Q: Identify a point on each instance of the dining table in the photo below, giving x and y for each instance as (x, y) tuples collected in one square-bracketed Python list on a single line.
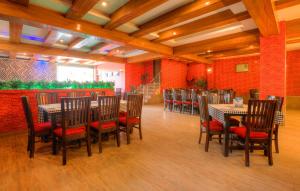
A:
[(223, 112)]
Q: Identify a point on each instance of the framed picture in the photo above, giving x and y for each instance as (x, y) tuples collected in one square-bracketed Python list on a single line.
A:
[(241, 68)]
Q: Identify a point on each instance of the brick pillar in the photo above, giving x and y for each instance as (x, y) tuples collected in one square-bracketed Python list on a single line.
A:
[(273, 64)]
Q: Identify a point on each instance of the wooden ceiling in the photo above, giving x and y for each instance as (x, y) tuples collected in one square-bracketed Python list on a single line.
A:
[(120, 31)]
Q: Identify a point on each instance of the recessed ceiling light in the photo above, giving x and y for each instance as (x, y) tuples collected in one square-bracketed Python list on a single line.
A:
[(251, 46), (104, 4), (61, 40), (78, 27), (209, 51), (207, 3), (174, 33)]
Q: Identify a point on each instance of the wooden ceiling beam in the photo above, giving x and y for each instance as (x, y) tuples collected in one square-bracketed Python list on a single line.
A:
[(144, 57), (210, 22), (131, 10), (293, 28), (181, 14), (293, 41), (234, 52), (196, 58), (36, 14), (282, 4), (35, 49), (15, 31), (220, 43), (76, 43), (263, 14), (51, 38), (21, 2), (80, 7)]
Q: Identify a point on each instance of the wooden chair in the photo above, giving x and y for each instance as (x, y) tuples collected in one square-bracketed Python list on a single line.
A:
[(210, 127), (94, 95), (254, 93), (75, 94), (75, 123), (168, 101), (258, 128), (108, 118), (39, 130), (279, 105), (118, 92), (46, 98), (133, 116), (177, 102), (186, 101), (195, 103)]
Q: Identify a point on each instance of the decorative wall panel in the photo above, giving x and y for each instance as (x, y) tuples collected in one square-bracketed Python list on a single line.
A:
[(26, 70)]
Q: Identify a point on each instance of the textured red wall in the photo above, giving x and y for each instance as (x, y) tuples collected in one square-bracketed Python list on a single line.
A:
[(173, 74), (11, 111), (196, 71), (293, 73), (273, 64), (133, 72), (224, 75)]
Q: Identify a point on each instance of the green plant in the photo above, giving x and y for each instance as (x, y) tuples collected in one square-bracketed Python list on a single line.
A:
[(133, 89), (18, 84), (201, 83)]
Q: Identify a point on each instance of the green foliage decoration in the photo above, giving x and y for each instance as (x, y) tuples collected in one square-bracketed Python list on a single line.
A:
[(30, 85)]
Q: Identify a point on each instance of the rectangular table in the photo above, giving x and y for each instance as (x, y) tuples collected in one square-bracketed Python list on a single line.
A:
[(55, 109), (222, 113)]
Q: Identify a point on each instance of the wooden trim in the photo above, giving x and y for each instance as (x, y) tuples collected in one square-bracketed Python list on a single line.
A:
[(143, 57), (293, 28), (263, 14), (51, 38), (35, 49), (76, 42), (181, 14), (21, 2), (131, 10)]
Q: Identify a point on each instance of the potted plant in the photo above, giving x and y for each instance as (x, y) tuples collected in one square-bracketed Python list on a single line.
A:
[(201, 83)]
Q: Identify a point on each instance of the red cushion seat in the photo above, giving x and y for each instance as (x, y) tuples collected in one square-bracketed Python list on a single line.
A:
[(214, 125), (70, 131), (133, 120), (104, 125), (187, 102), (177, 102), (241, 132), (42, 127), (169, 101)]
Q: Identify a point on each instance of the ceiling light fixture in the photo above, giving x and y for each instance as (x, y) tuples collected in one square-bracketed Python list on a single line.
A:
[(209, 51), (104, 4), (61, 40), (78, 27), (207, 3), (174, 33)]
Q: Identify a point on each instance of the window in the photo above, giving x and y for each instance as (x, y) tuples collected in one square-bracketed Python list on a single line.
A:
[(75, 73)]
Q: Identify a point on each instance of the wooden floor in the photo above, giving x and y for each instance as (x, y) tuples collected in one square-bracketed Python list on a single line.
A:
[(168, 158)]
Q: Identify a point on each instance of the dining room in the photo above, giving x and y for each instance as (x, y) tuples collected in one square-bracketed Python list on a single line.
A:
[(150, 95)]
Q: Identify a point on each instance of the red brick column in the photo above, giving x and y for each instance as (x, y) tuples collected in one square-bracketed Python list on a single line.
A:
[(273, 64)]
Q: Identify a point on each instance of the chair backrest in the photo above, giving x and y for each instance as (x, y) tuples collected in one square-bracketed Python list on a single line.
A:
[(46, 98), (213, 98), (254, 93), (184, 95), (118, 92), (76, 94), (176, 95), (94, 95), (279, 101), (260, 115), (194, 96), (75, 112), (134, 105), (28, 114), (203, 109), (108, 108)]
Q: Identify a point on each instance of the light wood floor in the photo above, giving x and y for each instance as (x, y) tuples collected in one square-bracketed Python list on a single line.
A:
[(168, 158)]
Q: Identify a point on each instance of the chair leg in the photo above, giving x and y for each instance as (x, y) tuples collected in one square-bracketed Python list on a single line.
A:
[(64, 152), (118, 137), (220, 139), (128, 134), (140, 131), (32, 147), (200, 136), (247, 160), (28, 143), (270, 155), (207, 142), (54, 145), (276, 140), (100, 141), (88, 145)]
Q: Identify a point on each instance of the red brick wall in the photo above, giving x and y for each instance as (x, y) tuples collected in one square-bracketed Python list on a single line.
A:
[(273, 64), (134, 71), (11, 111), (173, 74), (224, 75), (293, 73)]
